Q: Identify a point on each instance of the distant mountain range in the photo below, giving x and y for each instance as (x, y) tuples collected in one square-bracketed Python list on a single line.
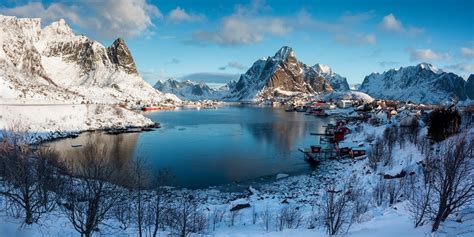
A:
[(53, 65), (189, 90), (423, 83)]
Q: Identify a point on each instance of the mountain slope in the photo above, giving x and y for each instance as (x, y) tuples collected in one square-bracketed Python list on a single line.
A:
[(53, 65), (280, 75), (422, 83)]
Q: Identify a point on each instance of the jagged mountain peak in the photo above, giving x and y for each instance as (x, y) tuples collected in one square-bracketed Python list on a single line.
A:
[(58, 28), (428, 66), (284, 53), (120, 54), (322, 68)]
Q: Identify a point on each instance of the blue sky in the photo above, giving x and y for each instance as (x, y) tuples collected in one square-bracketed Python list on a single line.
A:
[(223, 38)]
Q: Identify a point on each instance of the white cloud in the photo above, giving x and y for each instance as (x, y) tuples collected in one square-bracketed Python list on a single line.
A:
[(464, 69), (173, 61), (467, 52), (368, 39), (105, 19), (233, 64), (388, 63), (180, 15), (244, 26), (428, 54), (391, 24)]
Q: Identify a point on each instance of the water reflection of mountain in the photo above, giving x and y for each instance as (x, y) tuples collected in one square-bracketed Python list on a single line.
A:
[(119, 148), (285, 134)]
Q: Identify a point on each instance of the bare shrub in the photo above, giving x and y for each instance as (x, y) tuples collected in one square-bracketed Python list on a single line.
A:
[(289, 218), (379, 191), (187, 217), (217, 216), (376, 154)]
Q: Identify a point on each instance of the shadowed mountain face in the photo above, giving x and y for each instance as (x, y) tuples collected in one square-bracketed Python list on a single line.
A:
[(470, 87), (283, 75), (422, 83)]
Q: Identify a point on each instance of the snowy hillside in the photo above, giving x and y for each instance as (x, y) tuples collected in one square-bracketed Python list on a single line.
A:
[(189, 90), (53, 65), (422, 83), (284, 75)]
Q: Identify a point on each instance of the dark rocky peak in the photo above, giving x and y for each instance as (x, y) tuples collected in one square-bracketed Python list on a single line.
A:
[(121, 56)]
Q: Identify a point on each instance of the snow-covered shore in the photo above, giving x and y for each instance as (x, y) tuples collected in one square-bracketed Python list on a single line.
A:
[(53, 121)]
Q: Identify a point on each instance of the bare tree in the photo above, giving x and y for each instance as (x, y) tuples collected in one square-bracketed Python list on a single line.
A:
[(452, 181), (266, 217), (92, 190), (140, 182), (335, 210), (158, 200), (29, 176)]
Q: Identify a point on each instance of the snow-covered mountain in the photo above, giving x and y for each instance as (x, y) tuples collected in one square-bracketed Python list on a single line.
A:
[(338, 82), (53, 65), (422, 83), (284, 75), (188, 90)]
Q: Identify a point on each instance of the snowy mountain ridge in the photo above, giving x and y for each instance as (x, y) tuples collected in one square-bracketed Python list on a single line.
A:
[(189, 90), (53, 65), (283, 75), (423, 83)]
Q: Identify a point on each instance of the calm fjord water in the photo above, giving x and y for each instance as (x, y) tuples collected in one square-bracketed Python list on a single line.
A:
[(202, 148)]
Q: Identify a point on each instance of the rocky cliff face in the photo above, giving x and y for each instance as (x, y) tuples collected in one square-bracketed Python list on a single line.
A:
[(53, 64), (470, 87), (422, 83), (277, 76)]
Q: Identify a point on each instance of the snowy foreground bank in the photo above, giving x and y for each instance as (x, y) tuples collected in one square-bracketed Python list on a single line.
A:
[(52, 121), (292, 206)]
